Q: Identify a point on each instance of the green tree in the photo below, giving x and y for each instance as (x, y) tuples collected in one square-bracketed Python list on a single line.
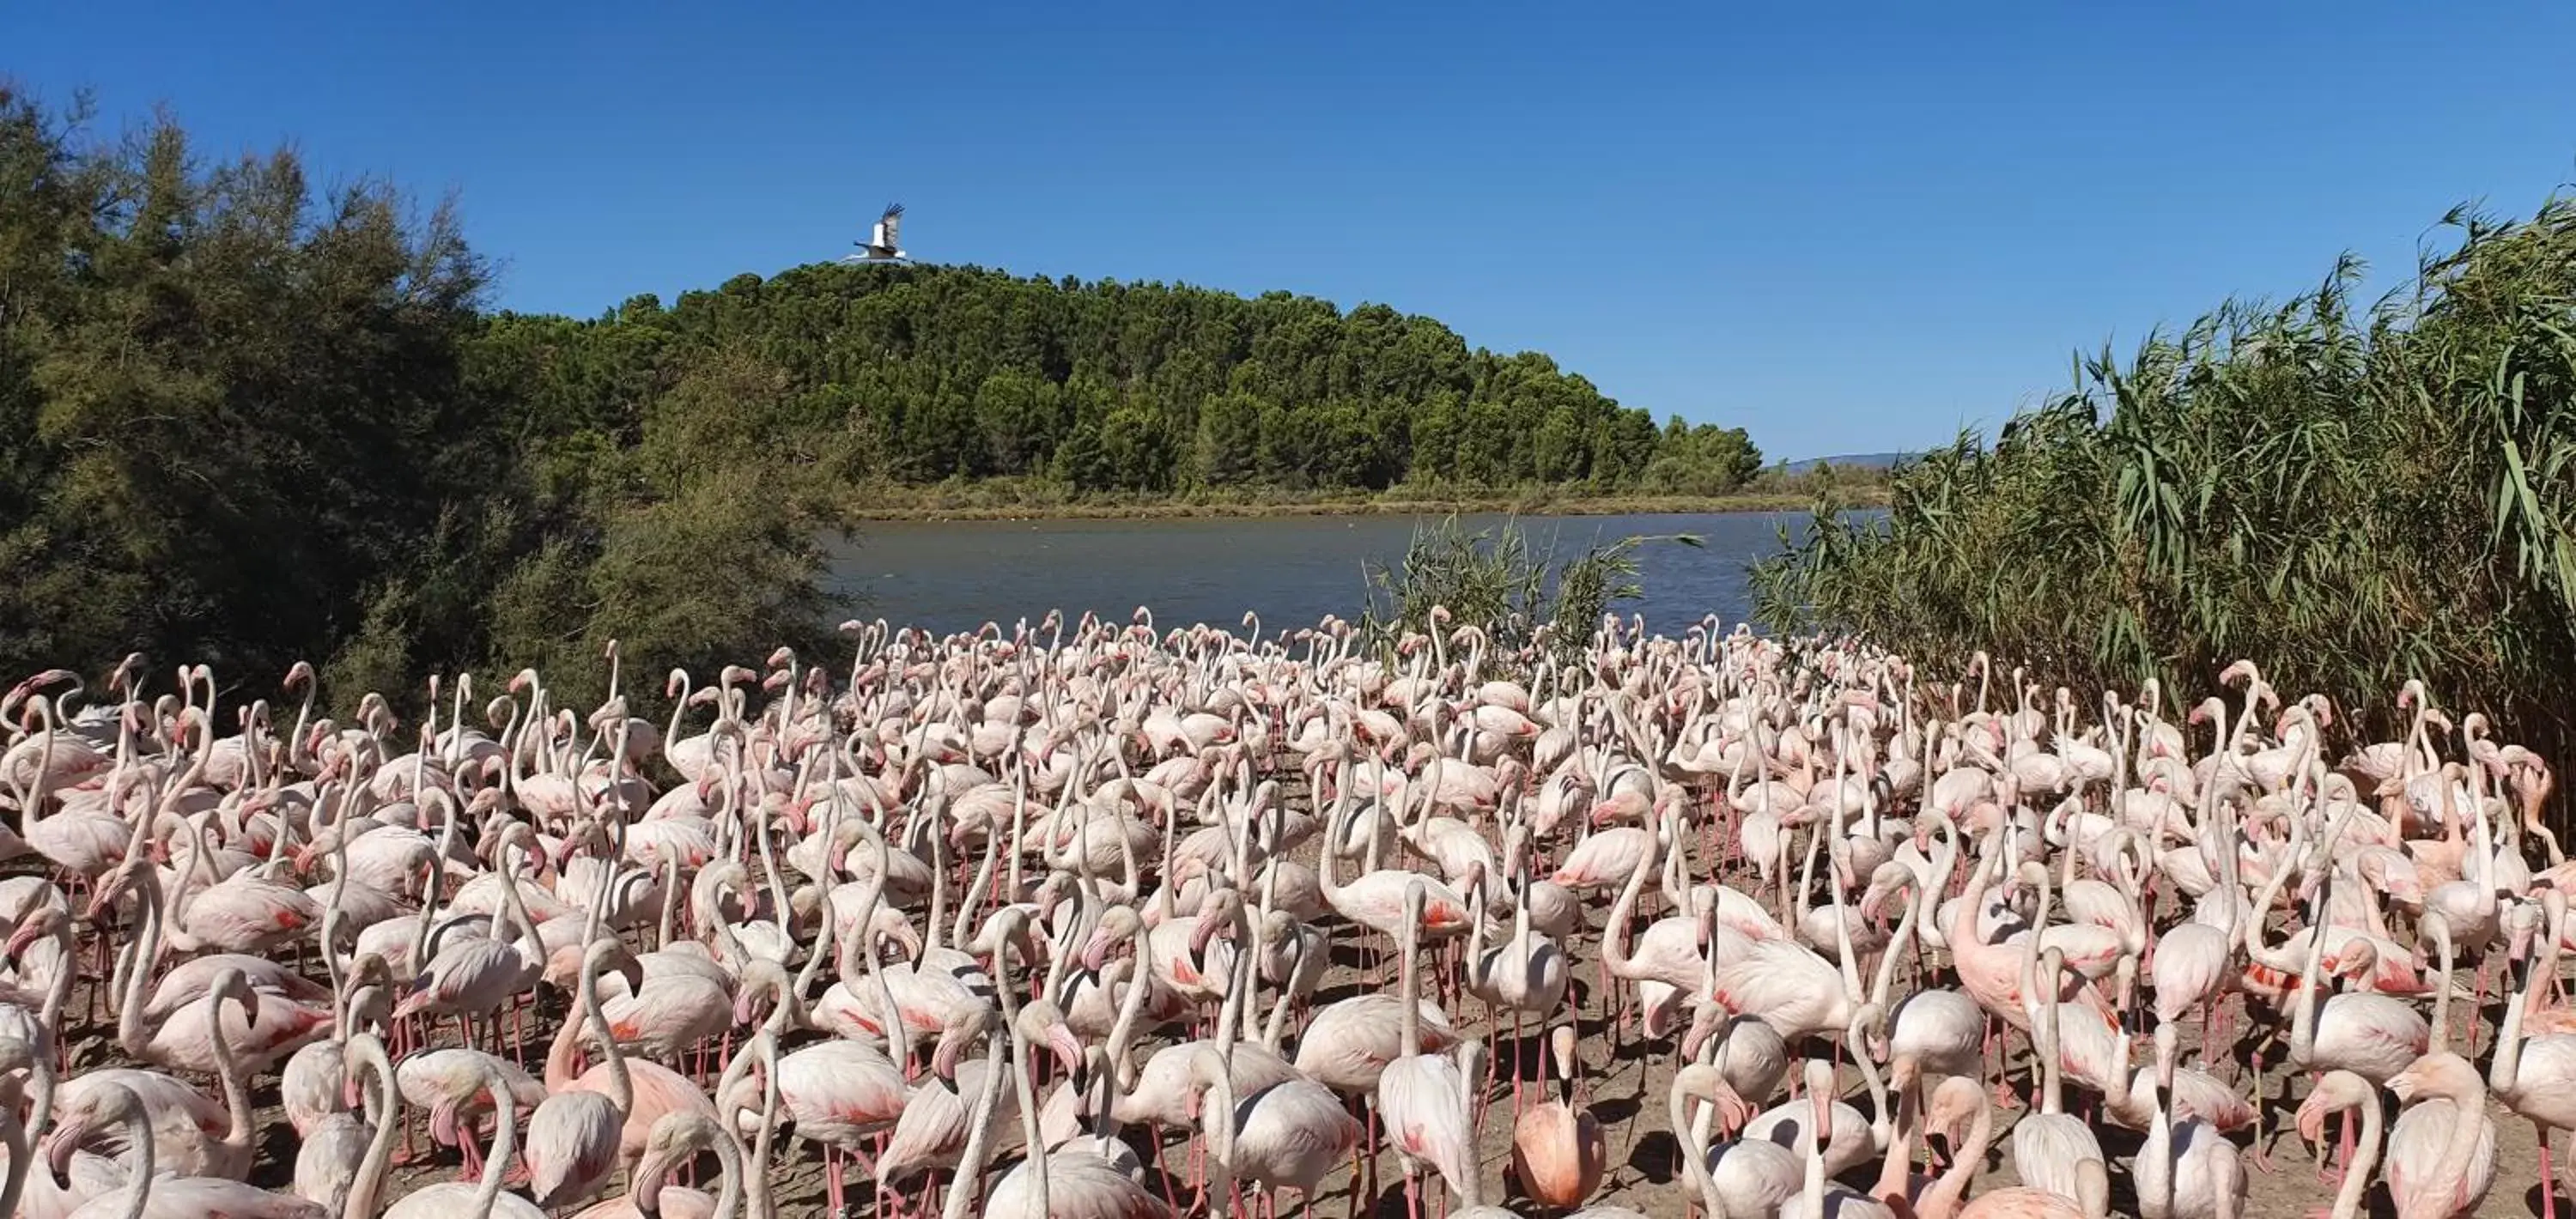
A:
[(247, 422), (1017, 412), (1702, 460), (1229, 440), (1136, 449)]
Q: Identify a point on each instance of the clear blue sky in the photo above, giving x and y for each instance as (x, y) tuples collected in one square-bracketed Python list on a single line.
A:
[(1847, 227)]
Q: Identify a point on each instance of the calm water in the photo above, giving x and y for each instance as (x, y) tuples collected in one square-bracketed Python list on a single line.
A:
[(953, 576)]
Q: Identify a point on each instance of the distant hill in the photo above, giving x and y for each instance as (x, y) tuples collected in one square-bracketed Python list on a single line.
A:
[(1866, 461), (925, 374)]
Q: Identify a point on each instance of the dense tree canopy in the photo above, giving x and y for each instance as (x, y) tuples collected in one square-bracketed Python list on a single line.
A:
[(247, 421), (933, 373)]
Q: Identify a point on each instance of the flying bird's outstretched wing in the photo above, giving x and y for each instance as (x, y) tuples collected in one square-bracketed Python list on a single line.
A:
[(887, 224)]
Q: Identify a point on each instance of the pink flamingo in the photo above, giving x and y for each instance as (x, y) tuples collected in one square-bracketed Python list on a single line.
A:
[(1558, 1151), (455, 1199), (336, 1153), (84, 843), (2185, 1169), (2536, 1076), (1792, 989), (1960, 1100), (676, 1140), (476, 975), (151, 1195), (1820, 1197), (1606, 858), (1938, 1029), (2441, 1153), (1376, 899), (656, 1090), (1069, 1184), (1350, 1041), (271, 1027), (1752, 1177), (2343, 1091), (455, 1086), (1669, 959), (1287, 1135), (2051, 1147), (573, 1138), (1426, 1099)]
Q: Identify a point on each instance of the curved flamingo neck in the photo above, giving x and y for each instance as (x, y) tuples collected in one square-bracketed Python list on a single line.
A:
[(368, 1188), (130, 1032), (621, 1084)]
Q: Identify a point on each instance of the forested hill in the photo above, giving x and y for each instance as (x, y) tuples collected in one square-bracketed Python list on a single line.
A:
[(922, 373)]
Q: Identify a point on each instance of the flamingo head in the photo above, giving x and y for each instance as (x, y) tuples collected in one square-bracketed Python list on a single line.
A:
[(2321, 1100), (796, 814), (1096, 949), (2521, 923), (953, 1041), (1208, 929), (762, 979), (2437, 1074), (1058, 1037), (67, 1138), (1705, 1018), (1874, 899), (103, 899), (39, 923), (1953, 1107)]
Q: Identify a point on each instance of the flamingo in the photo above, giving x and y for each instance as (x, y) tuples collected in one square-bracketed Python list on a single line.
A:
[(575, 1135), (1424, 1098), (2441, 1152), (151, 1195), (1558, 1151)]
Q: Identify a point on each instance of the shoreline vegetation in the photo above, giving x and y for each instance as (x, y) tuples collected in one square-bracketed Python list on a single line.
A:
[(897, 503), (2364, 493)]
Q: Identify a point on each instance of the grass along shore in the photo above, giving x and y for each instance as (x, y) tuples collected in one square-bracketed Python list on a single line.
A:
[(1015, 500)]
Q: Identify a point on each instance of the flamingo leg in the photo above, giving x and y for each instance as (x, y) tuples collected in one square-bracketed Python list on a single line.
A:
[(2548, 1179), (2350, 1136), (2476, 1007), (1171, 1190)]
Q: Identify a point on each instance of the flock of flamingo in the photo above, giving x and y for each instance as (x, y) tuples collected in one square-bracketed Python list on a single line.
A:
[(1113, 922)]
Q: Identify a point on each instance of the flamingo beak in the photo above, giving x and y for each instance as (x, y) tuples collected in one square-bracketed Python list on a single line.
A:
[(1733, 1113), (20, 937), (58, 1149), (99, 904), (2312, 1124), (1068, 1051)]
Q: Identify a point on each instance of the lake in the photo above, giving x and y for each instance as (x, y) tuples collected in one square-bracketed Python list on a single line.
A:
[(1292, 570)]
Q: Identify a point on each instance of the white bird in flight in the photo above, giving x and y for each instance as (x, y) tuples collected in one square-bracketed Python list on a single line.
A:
[(881, 245)]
